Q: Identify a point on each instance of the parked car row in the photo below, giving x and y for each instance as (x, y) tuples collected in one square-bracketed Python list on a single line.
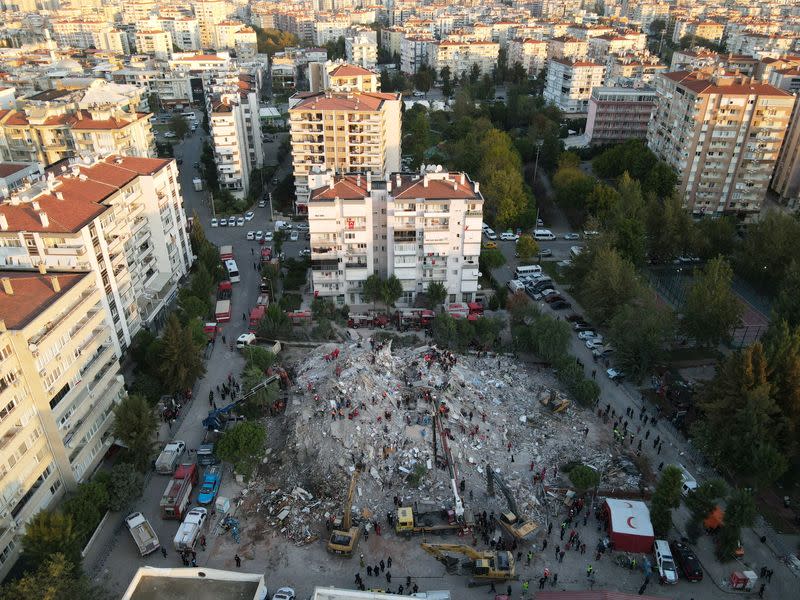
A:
[(259, 236)]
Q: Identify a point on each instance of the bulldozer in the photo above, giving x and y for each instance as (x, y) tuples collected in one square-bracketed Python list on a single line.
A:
[(511, 521), (553, 400), (485, 566), (344, 536)]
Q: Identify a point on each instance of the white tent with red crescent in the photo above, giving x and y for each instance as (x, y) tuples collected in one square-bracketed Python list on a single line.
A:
[(629, 525)]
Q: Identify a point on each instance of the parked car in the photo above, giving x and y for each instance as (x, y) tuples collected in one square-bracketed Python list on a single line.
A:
[(548, 292), (667, 573), (594, 343), (615, 375), (560, 305), (601, 351), (509, 236), (262, 203), (284, 593), (305, 252), (294, 236), (240, 221), (259, 236), (572, 236), (214, 223), (554, 298), (223, 222), (687, 561), (545, 252), (251, 235), (302, 226), (490, 245), (267, 236), (586, 335), (248, 216), (575, 318), (581, 327), (210, 486)]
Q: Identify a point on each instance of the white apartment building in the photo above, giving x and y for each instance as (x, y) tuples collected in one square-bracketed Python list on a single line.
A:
[(603, 46), (569, 84), (339, 76), (760, 44), (138, 11), (155, 42), (245, 44), (169, 85), (461, 56), (232, 102), (121, 219), (185, 32), (722, 134), (567, 48), (346, 131), (330, 28), (420, 227), (59, 382), (531, 54), (414, 52), (362, 51), (113, 41), (208, 14), (78, 33)]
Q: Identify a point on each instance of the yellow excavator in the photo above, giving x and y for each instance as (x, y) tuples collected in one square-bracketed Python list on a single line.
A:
[(344, 536), (512, 521), (485, 566)]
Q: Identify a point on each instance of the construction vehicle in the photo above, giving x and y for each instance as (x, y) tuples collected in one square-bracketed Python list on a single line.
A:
[(555, 401), (444, 436), (485, 566), (512, 521), (215, 421), (142, 533), (344, 535)]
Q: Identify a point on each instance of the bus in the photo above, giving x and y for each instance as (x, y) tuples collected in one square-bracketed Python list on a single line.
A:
[(233, 271), (189, 115), (527, 270)]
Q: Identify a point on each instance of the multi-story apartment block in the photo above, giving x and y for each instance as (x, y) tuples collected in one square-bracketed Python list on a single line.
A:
[(707, 30), (567, 48), (121, 219), (762, 44), (155, 42), (102, 118), (617, 114), (786, 179), (245, 44), (722, 134), (603, 46), (362, 51), (172, 87), (461, 56), (233, 108), (420, 227), (209, 13), (59, 382), (330, 28), (343, 77), (569, 84), (392, 40), (531, 54), (414, 51), (185, 32), (632, 70), (347, 131)]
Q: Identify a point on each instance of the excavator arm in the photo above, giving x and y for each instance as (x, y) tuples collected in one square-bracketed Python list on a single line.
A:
[(501, 485), (440, 550), (212, 421), (348, 506)]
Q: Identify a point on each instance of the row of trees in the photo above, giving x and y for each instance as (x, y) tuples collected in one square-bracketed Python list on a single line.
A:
[(460, 334), (549, 339)]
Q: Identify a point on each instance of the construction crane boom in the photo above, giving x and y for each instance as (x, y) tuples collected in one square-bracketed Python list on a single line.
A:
[(458, 503), (513, 522), (212, 421), (501, 485), (348, 507)]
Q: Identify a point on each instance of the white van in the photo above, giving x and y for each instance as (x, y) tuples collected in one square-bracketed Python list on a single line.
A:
[(689, 482), (527, 270), (516, 286), (667, 572), (543, 234)]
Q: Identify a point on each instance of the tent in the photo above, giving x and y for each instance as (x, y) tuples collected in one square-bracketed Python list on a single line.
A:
[(629, 525)]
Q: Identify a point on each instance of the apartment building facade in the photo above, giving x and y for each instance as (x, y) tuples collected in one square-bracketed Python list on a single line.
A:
[(461, 56), (121, 219), (208, 14), (362, 51), (531, 54), (722, 134), (155, 42), (56, 124), (617, 114), (420, 227), (347, 131), (569, 83), (59, 382)]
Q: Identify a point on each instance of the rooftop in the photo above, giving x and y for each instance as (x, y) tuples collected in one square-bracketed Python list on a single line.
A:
[(9, 168), (33, 292), (347, 187), (350, 71), (351, 101), (439, 186), (151, 583)]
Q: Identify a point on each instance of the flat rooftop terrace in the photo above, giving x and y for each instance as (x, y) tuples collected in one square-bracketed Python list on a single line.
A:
[(151, 583)]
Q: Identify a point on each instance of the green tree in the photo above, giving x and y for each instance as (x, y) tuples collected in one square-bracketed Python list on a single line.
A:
[(740, 512), (56, 578), (135, 423), (86, 507), (49, 533), (669, 228), (447, 83), (712, 310), (257, 405), (275, 325), (444, 332), (336, 48), (490, 259), (714, 237), (786, 306), (242, 445), (527, 248), (436, 294), (782, 348), (260, 357), (584, 478), (424, 78), (602, 201), (640, 331), (125, 485), (611, 283), (666, 497), (572, 188), (391, 290), (373, 288), (179, 126), (769, 249), (269, 41), (501, 178), (153, 102), (181, 357)]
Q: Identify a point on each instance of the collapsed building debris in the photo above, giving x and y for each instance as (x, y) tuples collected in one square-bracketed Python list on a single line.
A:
[(369, 405)]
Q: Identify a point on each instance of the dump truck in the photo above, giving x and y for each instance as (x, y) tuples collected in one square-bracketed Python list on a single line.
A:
[(344, 535), (177, 494), (190, 529), (409, 522), (142, 533), (486, 566), (169, 457), (511, 521)]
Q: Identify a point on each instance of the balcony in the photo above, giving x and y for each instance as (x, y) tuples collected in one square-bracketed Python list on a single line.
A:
[(66, 250)]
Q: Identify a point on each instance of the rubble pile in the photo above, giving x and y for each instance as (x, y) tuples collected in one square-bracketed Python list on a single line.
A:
[(368, 405)]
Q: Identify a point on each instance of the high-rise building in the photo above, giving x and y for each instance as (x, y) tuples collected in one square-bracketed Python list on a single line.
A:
[(569, 83), (722, 133), (460, 57), (617, 114), (362, 51), (209, 13), (121, 219), (59, 382), (156, 42), (786, 179), (420, 227), (351, 131)]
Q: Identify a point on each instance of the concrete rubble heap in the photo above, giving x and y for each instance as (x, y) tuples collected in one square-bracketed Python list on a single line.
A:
[(354, 404)]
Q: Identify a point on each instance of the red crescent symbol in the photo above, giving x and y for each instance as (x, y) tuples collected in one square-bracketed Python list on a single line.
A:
[(631, 525)]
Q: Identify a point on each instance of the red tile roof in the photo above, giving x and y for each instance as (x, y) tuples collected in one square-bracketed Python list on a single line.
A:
[(15, 118), (9, 168), (86, 122), (413, 186), (690, 80), (33, 293), (356, 102), (349, 187), (350, 71)]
